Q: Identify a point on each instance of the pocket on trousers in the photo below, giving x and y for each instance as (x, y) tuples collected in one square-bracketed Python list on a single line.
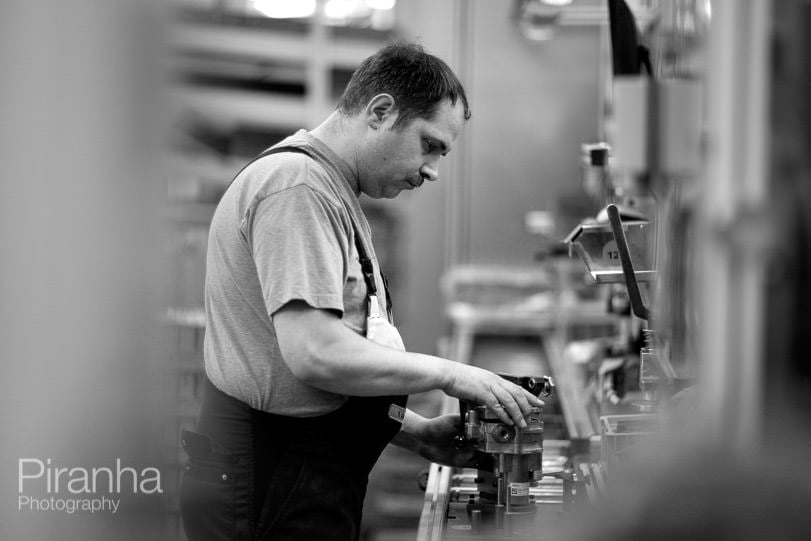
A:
[(283, 491), (214, 499)]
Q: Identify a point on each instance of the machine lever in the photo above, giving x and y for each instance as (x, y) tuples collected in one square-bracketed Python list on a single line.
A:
[(637, 305)]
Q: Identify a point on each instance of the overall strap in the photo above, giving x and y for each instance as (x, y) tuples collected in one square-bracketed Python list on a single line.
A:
[(366, 265)]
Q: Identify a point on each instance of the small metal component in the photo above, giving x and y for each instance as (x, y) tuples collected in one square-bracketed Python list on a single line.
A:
[(500, 490), (475, 521), (548, 386), (499, 515), (508, 499), (422, 480)]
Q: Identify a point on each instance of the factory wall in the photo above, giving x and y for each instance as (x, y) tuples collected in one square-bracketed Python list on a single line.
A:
[(534, 104)]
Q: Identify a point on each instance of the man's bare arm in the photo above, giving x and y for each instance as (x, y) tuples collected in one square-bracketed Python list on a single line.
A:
[(321, 351)]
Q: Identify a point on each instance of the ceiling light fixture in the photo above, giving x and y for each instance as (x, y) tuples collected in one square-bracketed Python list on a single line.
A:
[(285, 9), (381, 4)]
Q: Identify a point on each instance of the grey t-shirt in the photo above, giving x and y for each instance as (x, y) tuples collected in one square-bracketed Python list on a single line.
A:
[(283, 231)]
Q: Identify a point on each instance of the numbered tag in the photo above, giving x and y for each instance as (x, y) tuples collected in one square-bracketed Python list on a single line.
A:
[(611, 255)]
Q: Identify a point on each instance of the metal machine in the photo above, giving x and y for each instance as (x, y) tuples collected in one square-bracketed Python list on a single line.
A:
[(514, 490), (663, 254), (510, 458)]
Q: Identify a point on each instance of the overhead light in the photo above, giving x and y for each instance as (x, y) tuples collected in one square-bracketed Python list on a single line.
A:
[(285, 9), (339, 9), (376, 14), (556, 2), (381, 4)]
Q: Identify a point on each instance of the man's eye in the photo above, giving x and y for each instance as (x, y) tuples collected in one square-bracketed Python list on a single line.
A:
[(430, 147)]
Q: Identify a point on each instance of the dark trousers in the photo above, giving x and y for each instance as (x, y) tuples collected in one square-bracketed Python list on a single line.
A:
[(253, 475)]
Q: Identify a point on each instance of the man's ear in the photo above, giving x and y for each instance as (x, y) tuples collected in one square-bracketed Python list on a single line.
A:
[(380, 109)]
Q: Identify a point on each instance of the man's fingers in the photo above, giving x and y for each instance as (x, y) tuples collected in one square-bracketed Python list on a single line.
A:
[(509, 402), (521, 399), (517, 402), (510, 406), (520, 396), (532, 399), (501, 413)]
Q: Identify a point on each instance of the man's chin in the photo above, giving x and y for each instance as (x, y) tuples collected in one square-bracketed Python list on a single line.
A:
[(391, 193), (383, 195)]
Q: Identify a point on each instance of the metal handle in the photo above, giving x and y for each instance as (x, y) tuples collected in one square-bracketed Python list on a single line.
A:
[(637, 305)]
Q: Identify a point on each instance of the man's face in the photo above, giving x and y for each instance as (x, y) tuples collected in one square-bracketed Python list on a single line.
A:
[(403, 158)]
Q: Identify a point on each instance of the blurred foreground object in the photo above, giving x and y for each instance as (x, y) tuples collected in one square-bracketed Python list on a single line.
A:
[(80, 240)]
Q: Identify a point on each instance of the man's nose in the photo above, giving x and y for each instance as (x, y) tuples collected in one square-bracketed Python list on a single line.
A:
[(429, 172)]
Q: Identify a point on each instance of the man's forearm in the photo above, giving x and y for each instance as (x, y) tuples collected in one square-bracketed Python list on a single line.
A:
[(321, 351), (359, 367)]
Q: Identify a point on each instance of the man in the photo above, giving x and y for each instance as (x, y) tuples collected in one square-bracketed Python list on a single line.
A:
[(307, 374)]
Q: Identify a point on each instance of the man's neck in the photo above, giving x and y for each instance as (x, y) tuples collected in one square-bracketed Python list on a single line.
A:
[(337, 132)]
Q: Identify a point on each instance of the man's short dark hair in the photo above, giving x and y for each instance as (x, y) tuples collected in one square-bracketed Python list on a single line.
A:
[(418, 82)]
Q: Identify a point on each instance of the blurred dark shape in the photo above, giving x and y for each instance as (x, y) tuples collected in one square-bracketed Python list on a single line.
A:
[(628, 56), (787, 349)]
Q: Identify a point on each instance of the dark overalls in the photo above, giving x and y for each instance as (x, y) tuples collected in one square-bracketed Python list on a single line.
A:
[(254, 475)]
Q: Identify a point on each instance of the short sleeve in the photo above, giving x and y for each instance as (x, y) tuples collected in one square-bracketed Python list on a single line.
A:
[(300, 248)]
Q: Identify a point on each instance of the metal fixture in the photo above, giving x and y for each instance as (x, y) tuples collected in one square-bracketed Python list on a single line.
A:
[(509, 460)]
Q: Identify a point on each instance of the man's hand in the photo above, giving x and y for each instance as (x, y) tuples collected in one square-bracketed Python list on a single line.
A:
[(508, 401), (434, 439), (438, 441)]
